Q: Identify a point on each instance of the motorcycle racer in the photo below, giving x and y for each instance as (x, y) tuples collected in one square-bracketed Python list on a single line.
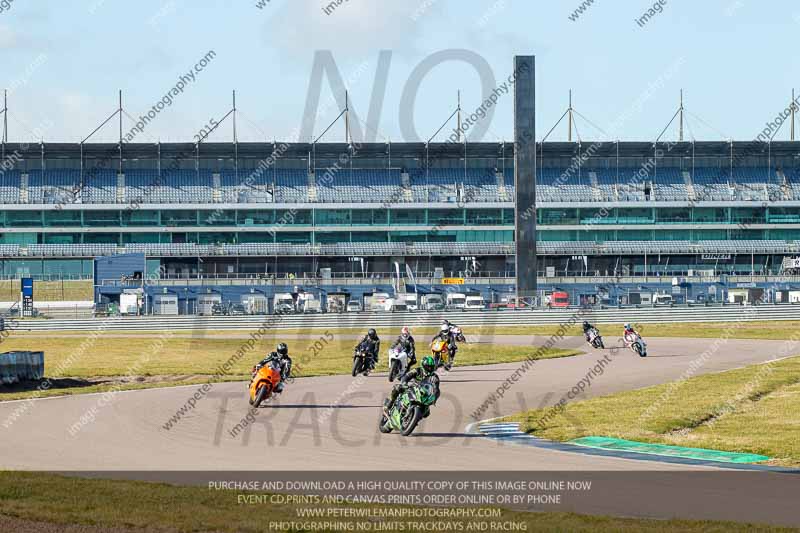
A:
[(281, 355), (426, 371), (447, 333), (629, 334), (406, 343), (371, 344)]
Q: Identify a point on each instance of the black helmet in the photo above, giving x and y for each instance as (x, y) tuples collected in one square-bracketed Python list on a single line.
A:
[(585, 324), (372, 334), (282, 349)]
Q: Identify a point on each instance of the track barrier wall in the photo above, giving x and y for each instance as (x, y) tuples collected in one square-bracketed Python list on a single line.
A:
[(644, 315)]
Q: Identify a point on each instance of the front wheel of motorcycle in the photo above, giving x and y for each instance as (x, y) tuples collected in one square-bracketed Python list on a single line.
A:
[(383, 424), (356, 366), (411, 419), (394, 371), (260, 395)]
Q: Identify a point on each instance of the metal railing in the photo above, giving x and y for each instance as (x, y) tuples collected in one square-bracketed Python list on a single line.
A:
[(466, 319)]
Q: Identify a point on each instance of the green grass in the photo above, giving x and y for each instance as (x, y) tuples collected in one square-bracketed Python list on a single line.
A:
[(112, 503), (49, 291), (107, 356), (754, 409)]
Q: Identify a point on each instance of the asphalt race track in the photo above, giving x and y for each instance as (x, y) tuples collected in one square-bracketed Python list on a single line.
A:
[(330, 423)]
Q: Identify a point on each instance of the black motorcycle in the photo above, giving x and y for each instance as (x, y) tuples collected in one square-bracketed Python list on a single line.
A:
[(363, 363)]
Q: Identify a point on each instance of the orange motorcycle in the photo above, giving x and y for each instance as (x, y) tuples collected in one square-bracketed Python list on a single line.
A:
[(440, 354), (263, 384)]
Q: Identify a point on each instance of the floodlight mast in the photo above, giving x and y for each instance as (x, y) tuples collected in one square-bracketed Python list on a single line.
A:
[(458, 120), (116, 112), (344, 112), (456, 111), (235, 140), (120, 131), (5, 120), (569, 118), (346, 118), (793, 107)]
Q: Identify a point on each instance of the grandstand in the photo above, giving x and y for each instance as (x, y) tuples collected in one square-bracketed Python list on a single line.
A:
[(628, 210)]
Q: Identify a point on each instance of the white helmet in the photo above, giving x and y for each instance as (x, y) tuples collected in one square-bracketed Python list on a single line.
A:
[(445, 327)]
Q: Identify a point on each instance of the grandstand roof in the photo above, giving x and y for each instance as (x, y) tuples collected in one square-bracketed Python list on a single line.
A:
[(408, 150)]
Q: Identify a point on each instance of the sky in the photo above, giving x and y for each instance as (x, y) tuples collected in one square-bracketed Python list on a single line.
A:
[(65, 61)]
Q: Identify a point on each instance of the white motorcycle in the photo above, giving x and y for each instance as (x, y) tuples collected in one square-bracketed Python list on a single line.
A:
[(636, 343), (398, 363), (594, 338)]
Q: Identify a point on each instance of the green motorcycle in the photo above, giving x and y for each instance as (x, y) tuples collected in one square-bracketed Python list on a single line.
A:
[(411, 406)]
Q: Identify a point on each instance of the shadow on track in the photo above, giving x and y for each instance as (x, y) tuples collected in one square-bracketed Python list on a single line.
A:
[(479, 369), (54, 383), (446, 435), (471, 380), (321, 406)]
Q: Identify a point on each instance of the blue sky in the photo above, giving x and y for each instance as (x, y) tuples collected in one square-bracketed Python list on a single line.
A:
[(736, 61)]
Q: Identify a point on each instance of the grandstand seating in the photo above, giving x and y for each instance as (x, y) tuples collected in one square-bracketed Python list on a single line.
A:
[(402, 249), (346, 185), (9, 186)]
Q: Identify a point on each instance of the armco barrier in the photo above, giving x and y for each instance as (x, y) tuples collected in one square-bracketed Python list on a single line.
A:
[(490, 319), (21, 366)]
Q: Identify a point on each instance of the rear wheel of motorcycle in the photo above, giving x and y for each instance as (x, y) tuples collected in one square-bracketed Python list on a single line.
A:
[(260, 395), (356, 366), (411, 420), (448, 366), (394, 370)]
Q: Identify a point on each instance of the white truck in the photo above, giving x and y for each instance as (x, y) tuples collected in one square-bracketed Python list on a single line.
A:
[(474, 302), (662, 299), (379, 301), (456, 301), (410, 299), (283, 302), (309, 304), (432, 302), (129, 303)]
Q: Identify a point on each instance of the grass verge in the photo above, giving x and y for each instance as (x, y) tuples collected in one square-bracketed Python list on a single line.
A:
[(754, 409), (49, 291), (135, 363), (110, 503)]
